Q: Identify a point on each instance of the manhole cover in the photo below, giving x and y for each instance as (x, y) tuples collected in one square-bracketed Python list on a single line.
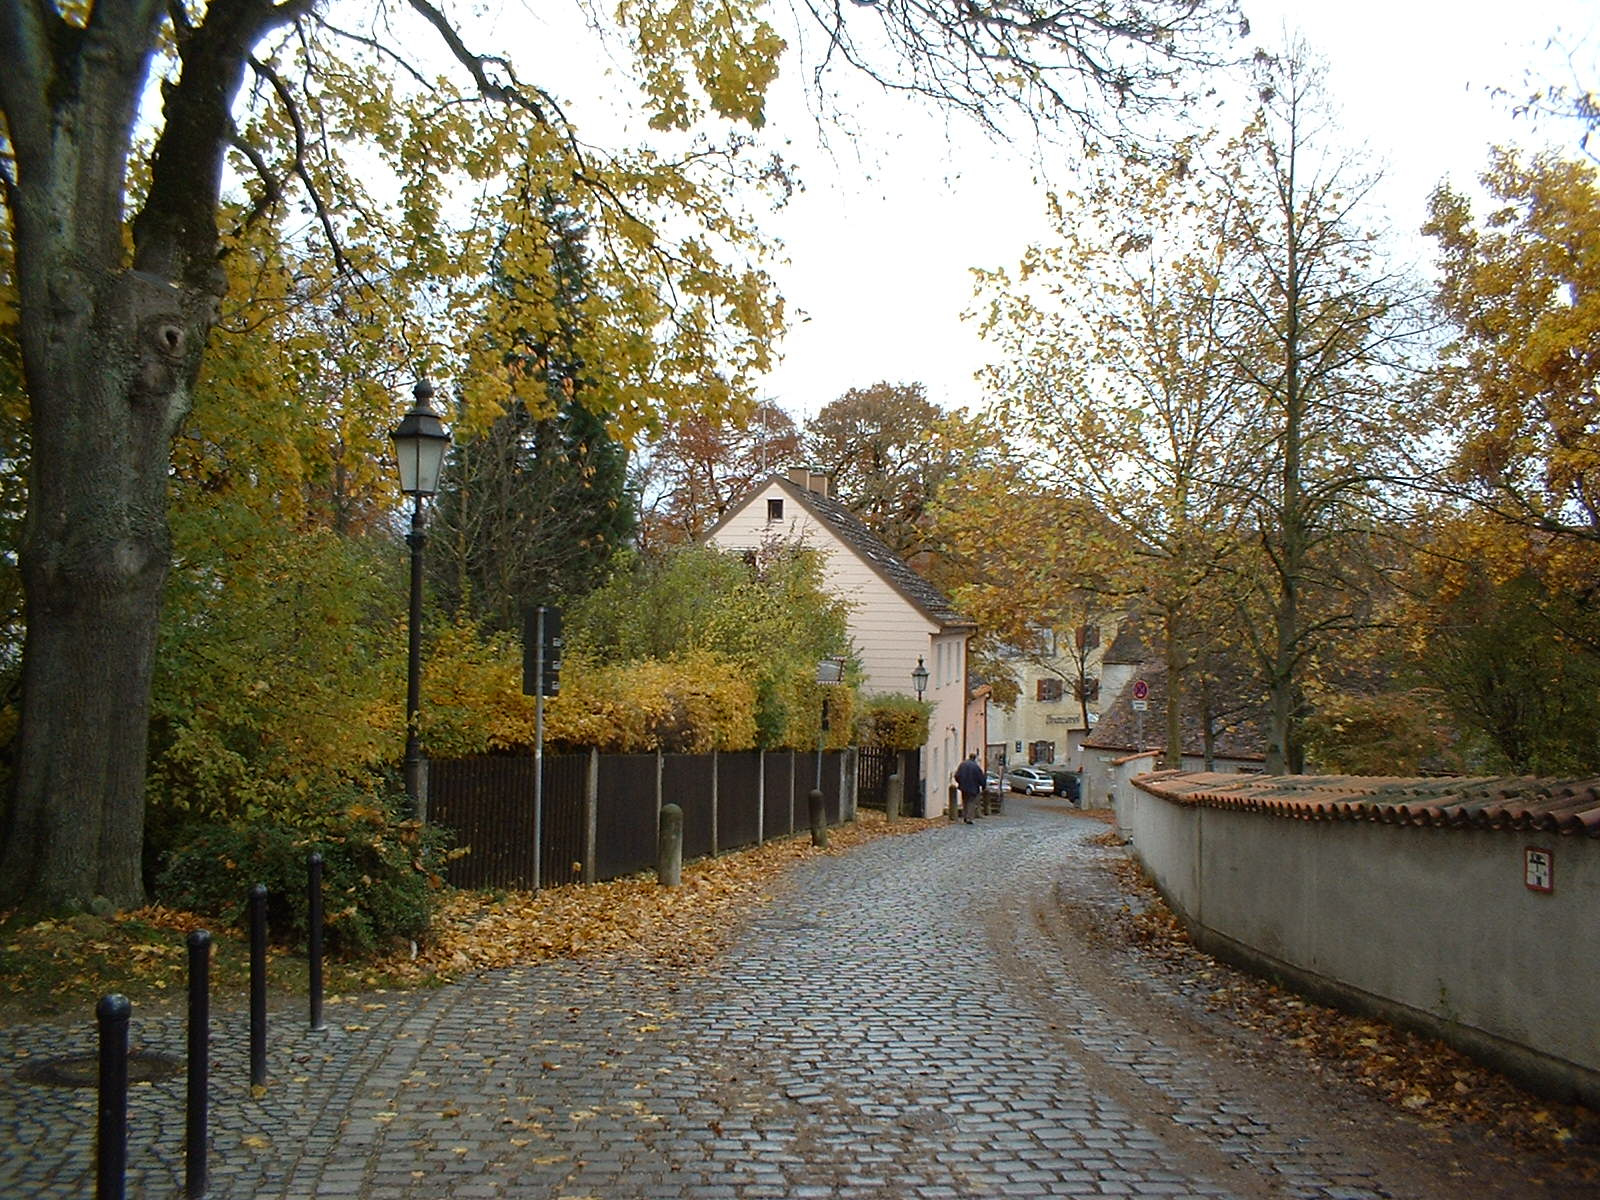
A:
[(83, 1070)]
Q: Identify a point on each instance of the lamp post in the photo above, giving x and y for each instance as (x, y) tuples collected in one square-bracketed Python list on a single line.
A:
[(919, 680), (829, 670), (420, 441)]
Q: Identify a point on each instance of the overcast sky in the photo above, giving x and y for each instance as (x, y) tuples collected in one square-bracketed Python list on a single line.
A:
[(883, 238)]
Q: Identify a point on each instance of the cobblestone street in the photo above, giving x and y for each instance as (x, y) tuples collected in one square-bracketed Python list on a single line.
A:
[(911, 1019)]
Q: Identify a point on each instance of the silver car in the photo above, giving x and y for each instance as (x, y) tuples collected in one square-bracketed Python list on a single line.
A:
[(1030, 781)]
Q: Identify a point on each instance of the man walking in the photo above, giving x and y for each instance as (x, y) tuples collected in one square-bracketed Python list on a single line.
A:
[(970, 779)]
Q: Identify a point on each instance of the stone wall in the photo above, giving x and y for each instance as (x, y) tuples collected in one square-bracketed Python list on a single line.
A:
[(1432, 928)]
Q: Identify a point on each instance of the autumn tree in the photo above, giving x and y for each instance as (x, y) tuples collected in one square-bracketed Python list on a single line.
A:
[(1520, 385), (882, 450), (1115, 338), (1020, 553), (118, 227), (114, 318), (696, 470), (1320, 329)]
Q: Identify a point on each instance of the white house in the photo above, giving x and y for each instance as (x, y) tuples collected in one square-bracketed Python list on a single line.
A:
[(898, 620)]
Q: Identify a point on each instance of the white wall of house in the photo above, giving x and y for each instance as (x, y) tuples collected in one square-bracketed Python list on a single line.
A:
[(888, 633)]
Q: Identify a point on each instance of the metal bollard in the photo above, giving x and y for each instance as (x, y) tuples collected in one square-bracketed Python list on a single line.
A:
[(195, 1141), (314, 937), (892, 794), (111, 1145), (819, 818), (669, 847), (258, 986)]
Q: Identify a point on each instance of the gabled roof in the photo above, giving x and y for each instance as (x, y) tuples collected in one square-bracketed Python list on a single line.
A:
[(1482, 802), (866, 545)]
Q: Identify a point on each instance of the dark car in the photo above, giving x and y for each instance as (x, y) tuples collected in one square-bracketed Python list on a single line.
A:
[(1067, 781)]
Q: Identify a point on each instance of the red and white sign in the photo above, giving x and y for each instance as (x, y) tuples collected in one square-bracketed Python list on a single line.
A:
[(1539, 869), (1141, 690)]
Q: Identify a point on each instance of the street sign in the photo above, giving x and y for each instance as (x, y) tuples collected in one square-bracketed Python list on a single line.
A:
[(1141, 690), (1140, 705)]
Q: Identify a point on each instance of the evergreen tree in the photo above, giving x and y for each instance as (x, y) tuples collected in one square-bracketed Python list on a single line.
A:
[(532, 509)]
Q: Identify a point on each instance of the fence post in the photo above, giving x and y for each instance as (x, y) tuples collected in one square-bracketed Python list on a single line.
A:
[(195, 1141), (892, 791), (591, 814), (111, 1144), (793, 757), (661, 769), (761, 795), (314, 937), (819, 818), (669, 846), (847, 809), (258, 986), (714, 763)]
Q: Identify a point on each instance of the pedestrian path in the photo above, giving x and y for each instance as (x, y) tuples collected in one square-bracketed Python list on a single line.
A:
[(901, 1021)]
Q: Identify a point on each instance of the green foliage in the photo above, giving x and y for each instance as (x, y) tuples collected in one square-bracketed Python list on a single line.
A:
[(770, 618), (380, 875), (532, 509), (893, 722), (1515, 674), (1393, 733), (279, 675)]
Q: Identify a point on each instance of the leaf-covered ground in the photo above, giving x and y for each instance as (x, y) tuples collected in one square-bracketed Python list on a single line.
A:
[(1420, 1075), (58, 968)]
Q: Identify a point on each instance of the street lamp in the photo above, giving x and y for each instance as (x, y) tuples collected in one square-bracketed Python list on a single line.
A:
[(919, 678), (420, 441), (829, 670)]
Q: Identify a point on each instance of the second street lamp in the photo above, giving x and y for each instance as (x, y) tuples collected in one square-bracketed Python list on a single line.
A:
[(919, 678), (420, 442)]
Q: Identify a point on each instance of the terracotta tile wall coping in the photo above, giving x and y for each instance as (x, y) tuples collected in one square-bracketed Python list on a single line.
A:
[(1560, 806)]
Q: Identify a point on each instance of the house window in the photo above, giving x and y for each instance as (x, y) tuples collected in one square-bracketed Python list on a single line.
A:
[(1086, 689), (1041, 752), (774, 508), (1088, 637), (1049, 690)]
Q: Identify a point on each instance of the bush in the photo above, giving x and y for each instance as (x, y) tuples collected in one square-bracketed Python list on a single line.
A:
[(893, 722), (380, 875)]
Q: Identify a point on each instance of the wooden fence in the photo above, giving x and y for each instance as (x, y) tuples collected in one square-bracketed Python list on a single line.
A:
[(598, 813)]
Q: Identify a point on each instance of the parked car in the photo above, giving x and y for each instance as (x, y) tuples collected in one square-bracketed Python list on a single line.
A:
[(991, 782), (1066, 780), (1030, 781)]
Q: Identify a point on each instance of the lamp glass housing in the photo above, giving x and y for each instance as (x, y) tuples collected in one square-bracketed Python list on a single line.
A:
[(420, 442)]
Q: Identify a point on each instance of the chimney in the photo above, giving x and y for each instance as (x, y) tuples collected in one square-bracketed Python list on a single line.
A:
[(811, 479)]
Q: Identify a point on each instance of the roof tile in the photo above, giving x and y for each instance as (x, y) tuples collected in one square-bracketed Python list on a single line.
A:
[(1566, 807)]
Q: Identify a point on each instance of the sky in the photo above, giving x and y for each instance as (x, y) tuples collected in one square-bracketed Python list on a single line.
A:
[(882, 240)]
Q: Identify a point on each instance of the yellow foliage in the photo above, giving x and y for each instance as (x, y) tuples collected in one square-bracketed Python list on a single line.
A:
[(473, 702)]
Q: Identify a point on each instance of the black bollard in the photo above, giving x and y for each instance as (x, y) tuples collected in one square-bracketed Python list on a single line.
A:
[(111, 1148), (258, 986), (314, 946), (196, 1142), (819, 818)]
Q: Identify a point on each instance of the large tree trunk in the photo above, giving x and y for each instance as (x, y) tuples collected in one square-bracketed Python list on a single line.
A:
[(110, 352), (106, 398)]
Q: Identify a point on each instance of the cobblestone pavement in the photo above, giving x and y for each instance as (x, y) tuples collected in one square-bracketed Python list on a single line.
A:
[(906, 1020)]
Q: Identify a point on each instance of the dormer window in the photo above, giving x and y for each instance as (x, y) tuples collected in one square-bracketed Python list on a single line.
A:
[(774, 508)]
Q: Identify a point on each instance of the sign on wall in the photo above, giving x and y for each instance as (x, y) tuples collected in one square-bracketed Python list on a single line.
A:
[(1539, 869)]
